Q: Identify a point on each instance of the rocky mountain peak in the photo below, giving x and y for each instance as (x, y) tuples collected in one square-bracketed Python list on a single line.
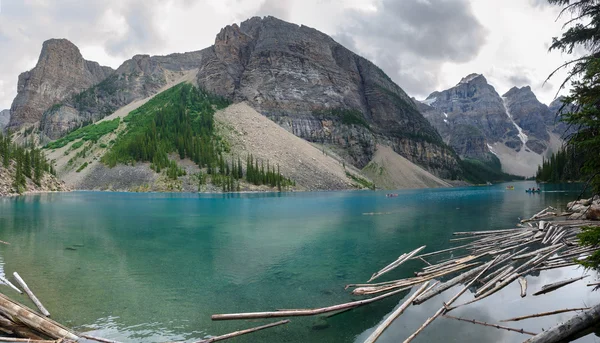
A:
[(61, 71), (473, 78), (524, 92)]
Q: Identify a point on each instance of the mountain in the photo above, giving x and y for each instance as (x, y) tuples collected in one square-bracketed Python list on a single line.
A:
[(319, 90), (480, 124), (295, 75), (4, 119), (59, 73)]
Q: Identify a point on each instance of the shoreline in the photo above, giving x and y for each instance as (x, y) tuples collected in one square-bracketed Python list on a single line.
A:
[(456, 184)]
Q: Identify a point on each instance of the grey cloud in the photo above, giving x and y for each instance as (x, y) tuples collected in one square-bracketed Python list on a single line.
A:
[(276, 8), (24, 25), (141, 32), (411, 39), (519, 80)]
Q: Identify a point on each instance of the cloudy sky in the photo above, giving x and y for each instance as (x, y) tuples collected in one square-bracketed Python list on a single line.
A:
[(424, 45)]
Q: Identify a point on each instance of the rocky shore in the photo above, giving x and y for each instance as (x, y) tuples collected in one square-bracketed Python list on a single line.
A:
[(584, 209), (49, 183)]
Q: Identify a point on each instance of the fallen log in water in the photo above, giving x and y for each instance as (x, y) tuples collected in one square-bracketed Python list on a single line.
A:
[(523, 284), (543, 314), (398, 262), (554, 286), (27, 340), (242, 332), (99, 339), (22, 314), (493, 281), (446, 305), (408, 282), (577, 323), (8, 283), (448, 284), (427, 322), (303, 312), (9, 327), (32, 296), (491, 325), (390, 319), (488, 232)]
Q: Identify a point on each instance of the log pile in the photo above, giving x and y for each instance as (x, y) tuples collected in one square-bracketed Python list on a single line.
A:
[(486, 261)]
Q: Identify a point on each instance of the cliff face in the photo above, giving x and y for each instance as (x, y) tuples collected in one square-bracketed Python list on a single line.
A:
[(531, 115), (319, 90), (4, 119), (59, 73), (475, 120)]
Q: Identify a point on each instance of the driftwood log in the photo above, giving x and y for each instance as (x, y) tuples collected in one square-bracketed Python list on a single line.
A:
[(491, 325), (303, 312), (554, 286), (543, 314), (32, 296), (242, 332), (390, 319), (576, 324), (22, 314)]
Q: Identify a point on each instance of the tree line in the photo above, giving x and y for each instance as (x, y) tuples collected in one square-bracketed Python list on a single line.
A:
[(180, 121), (27, 162), (563, 165)]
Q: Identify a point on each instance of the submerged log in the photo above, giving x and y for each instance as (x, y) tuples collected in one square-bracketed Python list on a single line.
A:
[(32, 296), (543, 314), (390, 319), (554, 286), (303, 312), (22, 314), (242, 332), (576, 324), (99, 339), (492, 325)]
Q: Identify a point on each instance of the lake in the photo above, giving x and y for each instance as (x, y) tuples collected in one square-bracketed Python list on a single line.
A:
[(153, 267)]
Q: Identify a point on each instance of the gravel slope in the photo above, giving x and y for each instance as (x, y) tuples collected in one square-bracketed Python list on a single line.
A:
[(391, 171), (249, 132)]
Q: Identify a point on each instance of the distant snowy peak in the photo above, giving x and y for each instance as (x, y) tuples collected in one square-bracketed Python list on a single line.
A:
[(429, 101)]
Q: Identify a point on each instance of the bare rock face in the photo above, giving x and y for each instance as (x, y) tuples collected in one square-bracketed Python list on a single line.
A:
[(4, 119), (475, 102), (531, 115), (319, 90), (60, 72), (472, 116)]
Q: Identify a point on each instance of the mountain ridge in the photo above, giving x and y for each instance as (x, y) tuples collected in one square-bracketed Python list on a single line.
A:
[(306, 82), (477, 121)]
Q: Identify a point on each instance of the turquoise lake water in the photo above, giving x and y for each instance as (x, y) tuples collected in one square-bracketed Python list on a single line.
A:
[(153, 267)]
